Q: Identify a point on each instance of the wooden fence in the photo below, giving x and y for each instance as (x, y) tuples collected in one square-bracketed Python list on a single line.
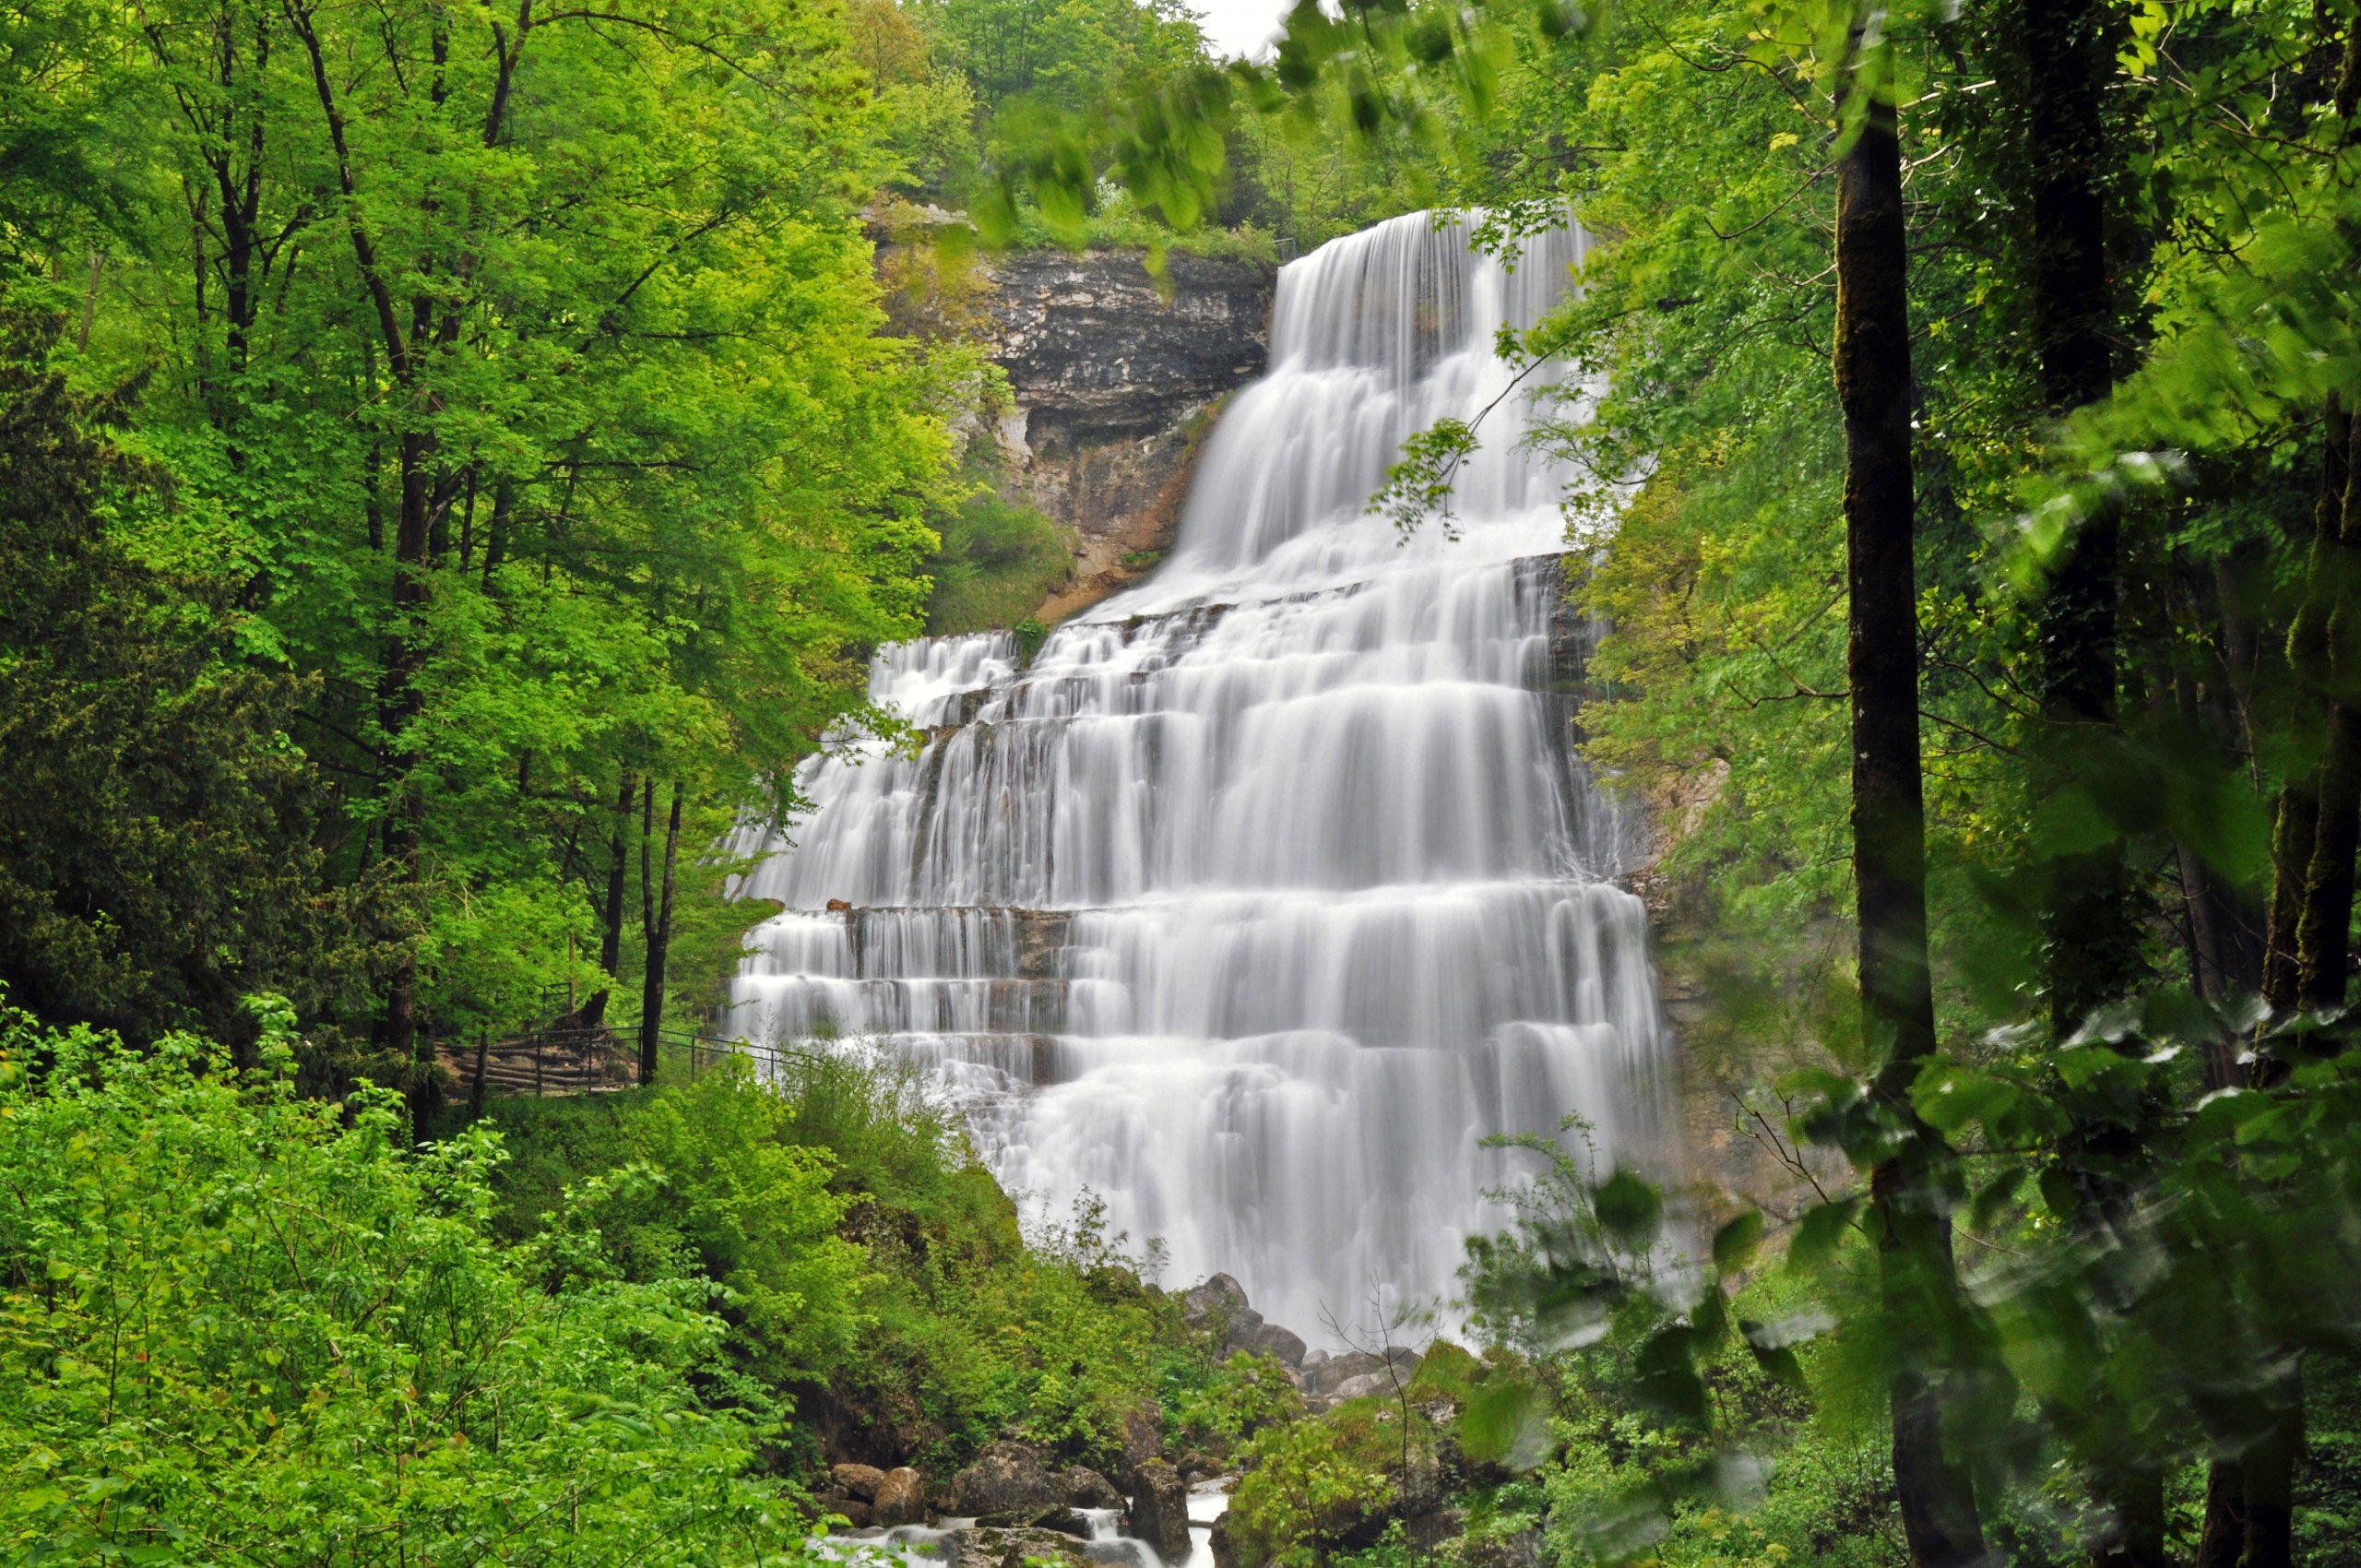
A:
[(594, 1060)]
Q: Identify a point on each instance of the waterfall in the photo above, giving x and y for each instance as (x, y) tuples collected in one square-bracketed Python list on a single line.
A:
[(1267, 889)]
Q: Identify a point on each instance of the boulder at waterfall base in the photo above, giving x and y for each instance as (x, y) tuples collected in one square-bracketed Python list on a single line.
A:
[(1006, 1478), (1159, 1513), (1082, 1487), (1143, 1437), (1220, 1308), (860, 1482), (981, 1547), (900, 1498)]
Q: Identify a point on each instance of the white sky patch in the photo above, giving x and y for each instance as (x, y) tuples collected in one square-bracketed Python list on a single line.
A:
[(1240, 26)]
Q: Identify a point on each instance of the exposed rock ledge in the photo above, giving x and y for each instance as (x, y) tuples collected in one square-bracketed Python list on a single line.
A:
[(1116, 381)]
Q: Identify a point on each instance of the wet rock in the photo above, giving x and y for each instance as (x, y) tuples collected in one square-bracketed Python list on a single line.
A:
[(1142, 1437), (857, 1481), (900, 1498), (854, 1512), (1224, 1548), (987, 1548), (1063, 1520), (1081, 1486), (1269, 1339), (1363, 1386), (1159, 1513), (1005, 1477), (1219, 1307), (1216, 1303)]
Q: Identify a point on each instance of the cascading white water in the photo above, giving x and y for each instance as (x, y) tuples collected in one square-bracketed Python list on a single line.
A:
[(1268, 889)]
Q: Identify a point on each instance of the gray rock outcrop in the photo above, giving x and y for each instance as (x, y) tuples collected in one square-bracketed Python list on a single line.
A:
[(1007, 1478), (857, 1481), (1082, 1487), (1219, 1307), (1115, 375), (1159, 1513), (987, 1548)]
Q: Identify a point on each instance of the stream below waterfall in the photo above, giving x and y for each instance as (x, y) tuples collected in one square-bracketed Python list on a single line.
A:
[(1264, 891)]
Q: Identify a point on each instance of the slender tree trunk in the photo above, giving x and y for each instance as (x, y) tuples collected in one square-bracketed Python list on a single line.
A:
[(2296, 832), (2223, 1541), (2091, 934), (2249, 1503), (2268, 1473), (2323, 940), (1873, 384), (398, 699), (399, 703), (495, 549), (659, 931), (611, 938), (2091, 939)]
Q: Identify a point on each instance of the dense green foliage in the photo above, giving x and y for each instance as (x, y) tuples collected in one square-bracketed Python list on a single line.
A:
[(238, 1323), (608, 1329), (999, 559), (879, 1288), (488, 424)]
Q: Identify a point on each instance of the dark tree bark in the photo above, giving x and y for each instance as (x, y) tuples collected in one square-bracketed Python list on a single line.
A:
[(2091, 936), (1873, 385), (610, 913), (657, 920), (2324, 944), (2091, 933)]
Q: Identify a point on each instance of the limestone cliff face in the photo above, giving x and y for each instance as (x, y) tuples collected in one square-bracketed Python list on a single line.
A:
[(1097, 356), (1116, 383)]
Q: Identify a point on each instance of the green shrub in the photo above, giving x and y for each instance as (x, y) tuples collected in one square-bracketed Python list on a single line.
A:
[(875, 1281), (999, 559), (1303, 1497), (239, 1325)]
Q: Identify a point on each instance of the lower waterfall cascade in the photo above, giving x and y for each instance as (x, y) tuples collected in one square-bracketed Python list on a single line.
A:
[(1263, 892)]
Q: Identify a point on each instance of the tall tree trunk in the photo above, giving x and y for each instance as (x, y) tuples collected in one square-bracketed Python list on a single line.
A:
[(398, 694), (610, 936), (2090, 938), (399, 703), (2323, 929), (2091, 935), (658, 918), (1873, 384)]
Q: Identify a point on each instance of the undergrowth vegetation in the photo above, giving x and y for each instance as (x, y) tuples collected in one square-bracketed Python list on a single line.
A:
[(237, 1325), (235, 1322), (882, 1296), (998, 561)]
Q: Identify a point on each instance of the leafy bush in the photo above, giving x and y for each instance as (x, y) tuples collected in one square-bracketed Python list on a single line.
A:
[(879, 1295), (1244, 1394), (1302, 1497), (237, 1325), (998, 560)]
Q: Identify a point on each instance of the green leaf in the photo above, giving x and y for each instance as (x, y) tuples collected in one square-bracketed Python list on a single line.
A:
[(1736, 1243), (1821, 1231), (1629, 1207), (1668, 1382), (1505, 1422)]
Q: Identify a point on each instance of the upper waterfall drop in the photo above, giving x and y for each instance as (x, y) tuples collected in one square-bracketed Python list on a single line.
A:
[(1268, 889)]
